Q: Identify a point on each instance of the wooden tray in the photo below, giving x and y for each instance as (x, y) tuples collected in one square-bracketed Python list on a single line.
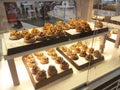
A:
[(18, 46), (83, 65), (49, 79), (75, 35)]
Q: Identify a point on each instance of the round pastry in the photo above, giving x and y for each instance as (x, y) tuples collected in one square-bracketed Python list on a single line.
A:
[(64, 65), (69, 52), (108, 34), (38, 54), (30, 56), (74, 56), (73, 47), (54, 56), (59, 60), (79, 28), (90, 50), (50, 50), (35, 31), (115, 31), (89, 57), (41, 75), (40, 36), (35, 69), (52, 70), (79, 44), (83, 53), (84, 47), (96, 53), (15, 35), (44, 60), (25, 32), (77, 50), (31, 62), (29, 38), (98, 24), (63, 48)]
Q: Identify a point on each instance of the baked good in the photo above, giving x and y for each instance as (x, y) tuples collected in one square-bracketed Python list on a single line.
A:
[(83, 53), (64, 65), (77, 50), (31, 62), (69, 52), (84, 47), (63, 48), (89, 57), (35, 31), (41, 75), (108, 34), (40, 36), (115, 31), (96, 53), (52, 70), (35, 69), (29, 38), (79, 43), (44, 60), (74, 56), (90, 50), (15, 35), (59, 60), (54, 56), (38, 54), (25, 32), (98, 24)]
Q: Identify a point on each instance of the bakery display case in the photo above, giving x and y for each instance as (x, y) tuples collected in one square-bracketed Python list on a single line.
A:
[(45, 64), (65, 54)]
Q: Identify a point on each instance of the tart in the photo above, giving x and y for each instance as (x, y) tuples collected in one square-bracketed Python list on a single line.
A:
[(96, 53), (29, 38), (90, 50), (35, 69), (64, 65), (89, 57), (83, 53), (15, 35)]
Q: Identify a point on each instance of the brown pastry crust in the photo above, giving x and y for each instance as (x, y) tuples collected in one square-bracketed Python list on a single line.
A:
[(79, 43), (115, 31), (59, 60), (97, 54), (84, 47), (77, 50), (52, 70), (38, 54), (25, 32), (15, 35), (44, 60), (35, 69), (83, 53), (63, 48), (90, 50), (35, 31), (41, 75), (74, 56), (64, 65), (29, 38), (89, 57), (98, 24)]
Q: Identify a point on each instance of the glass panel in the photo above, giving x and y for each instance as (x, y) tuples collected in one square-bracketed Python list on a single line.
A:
[(105, 11)]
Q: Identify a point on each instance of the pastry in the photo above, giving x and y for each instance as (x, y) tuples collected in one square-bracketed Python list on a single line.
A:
[(108, 34), (77, 50), (74, 56), (96, 53), (98, 24), (44, 60), (15, 35), (63, 48), (90, 50), (83, 53), (84, 47), (40, 36), (69, 52), (89, 57), (35, 31), (115, 31), (29, 38), (25, 32), (41, 75), (31, 62), (59, 60), (79, 44), (64, 65), (35, 69), (52, 70), (38, 54)]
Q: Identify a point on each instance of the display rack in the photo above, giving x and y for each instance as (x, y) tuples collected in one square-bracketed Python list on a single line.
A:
[(49, 44)]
